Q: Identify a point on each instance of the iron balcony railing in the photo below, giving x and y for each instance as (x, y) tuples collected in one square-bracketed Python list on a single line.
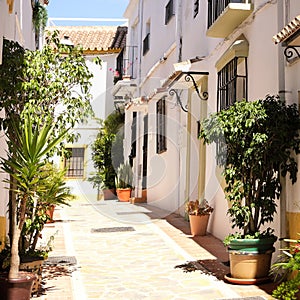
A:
[(217, 7), (127, 63)]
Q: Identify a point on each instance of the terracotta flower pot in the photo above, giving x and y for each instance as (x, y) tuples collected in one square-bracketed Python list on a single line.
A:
[(250, 266), (198, 224), (17, 288), (50, 212), (124, 195)]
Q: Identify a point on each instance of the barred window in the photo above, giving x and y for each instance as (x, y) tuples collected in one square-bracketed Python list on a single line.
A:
[(75, 163), (232, 82), (161, 142)]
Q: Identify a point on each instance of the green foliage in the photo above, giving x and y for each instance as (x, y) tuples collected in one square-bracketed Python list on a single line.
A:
[(54, 81), (257, 142), (32, 143), (39, 17), (51, 190), (124, 177), (107, 151), (288, 290)]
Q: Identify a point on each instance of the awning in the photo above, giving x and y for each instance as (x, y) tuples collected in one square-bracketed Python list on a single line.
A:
[(289, 32)]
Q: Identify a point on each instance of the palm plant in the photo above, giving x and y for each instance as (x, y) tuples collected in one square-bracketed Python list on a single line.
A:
[(52, 190), (25, 160)]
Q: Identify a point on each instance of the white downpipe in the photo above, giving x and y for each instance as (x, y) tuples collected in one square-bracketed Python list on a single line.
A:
[(179, 59)]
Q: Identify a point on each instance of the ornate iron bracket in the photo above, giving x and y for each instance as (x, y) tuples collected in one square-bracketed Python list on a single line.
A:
[(188, 77), (173, 92), (291, 52)]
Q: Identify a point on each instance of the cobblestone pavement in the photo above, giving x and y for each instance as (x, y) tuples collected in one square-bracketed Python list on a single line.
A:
[(115, 250)]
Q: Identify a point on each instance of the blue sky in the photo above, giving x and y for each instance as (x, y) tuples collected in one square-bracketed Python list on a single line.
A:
[(86, 9)]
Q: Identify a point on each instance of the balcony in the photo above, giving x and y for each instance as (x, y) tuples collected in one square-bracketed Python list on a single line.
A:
[(127, 63), (226, 15)]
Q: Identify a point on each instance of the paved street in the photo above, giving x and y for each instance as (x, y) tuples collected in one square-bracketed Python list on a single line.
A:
[(126, 251)]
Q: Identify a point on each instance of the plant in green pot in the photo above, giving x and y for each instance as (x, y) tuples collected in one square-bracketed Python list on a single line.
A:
[(256, 145), (198, 212), (24, 164), (124, 181)]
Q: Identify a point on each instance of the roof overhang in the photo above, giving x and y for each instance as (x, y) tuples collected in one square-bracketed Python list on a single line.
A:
[(290, 34)]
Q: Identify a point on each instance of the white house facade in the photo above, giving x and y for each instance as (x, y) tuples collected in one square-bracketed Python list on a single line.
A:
[(15, 25), (188, 54), (104, 42)]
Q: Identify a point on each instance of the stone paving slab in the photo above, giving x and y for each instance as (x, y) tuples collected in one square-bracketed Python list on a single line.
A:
[(127, 264)]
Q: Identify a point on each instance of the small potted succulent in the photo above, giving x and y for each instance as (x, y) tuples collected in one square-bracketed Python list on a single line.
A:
[(199, 213), (124, 181)]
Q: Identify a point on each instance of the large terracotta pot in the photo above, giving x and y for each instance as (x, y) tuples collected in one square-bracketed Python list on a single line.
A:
[(17, 288), (250, 258), (124, 195), (198, 224), (250, 266)]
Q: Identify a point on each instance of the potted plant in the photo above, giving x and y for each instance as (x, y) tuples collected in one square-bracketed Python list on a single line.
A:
[(286, 271), (56, 191), (107, 152), (256, 145), (23, 164), (124, 180), (198, 213)]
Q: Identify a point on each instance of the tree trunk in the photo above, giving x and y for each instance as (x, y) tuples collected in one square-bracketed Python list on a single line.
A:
[(14, 259)]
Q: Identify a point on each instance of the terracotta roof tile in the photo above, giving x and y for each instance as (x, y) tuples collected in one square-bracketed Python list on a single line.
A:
[(92, 38), (287, 31)]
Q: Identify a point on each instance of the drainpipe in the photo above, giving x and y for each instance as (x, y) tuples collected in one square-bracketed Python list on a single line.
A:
[(188, 147), (178, 39), (281, 86), (140, 43)]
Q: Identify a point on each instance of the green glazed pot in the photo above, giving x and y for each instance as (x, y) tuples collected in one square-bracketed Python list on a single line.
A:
[(252, 245)]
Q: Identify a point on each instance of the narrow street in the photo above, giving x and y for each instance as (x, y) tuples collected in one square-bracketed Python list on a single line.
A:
[(115, 250)]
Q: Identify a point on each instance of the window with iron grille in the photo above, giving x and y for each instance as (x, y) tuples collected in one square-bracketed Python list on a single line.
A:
[(75, 163), (161, 141), (232, 82), (196, 8), (169, 11), (232, 87)]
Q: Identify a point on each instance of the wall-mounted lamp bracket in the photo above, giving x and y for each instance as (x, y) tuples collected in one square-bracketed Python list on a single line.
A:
[(188, 77), (173, 92), (292, 52)]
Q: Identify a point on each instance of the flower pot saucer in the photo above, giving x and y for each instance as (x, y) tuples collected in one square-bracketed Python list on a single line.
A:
[(230, 279)]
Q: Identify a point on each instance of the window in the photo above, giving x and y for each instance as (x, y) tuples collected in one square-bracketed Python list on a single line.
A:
[(232, 82), (146, 44), (75, 163), (169, 11), (133, 135), (161, 142), (196, 8), (146, 41)]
